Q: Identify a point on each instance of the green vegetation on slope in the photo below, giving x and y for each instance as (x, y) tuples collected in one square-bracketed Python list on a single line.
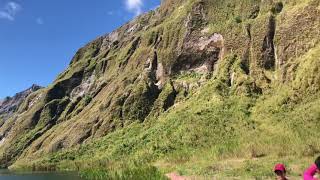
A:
[(150, 110), (211, 134)]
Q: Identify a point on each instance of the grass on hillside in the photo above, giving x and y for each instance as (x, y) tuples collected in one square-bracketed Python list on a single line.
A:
[(209, 134), (213, 132)]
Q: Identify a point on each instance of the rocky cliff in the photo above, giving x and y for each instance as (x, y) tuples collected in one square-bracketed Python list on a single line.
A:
[(221, 74), (9, 106)]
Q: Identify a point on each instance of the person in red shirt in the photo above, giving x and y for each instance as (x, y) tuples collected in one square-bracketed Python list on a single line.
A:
[(280, 171)]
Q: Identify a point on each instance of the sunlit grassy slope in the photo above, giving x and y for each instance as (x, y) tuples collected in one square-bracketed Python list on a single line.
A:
[(213, 133), (234, 123)]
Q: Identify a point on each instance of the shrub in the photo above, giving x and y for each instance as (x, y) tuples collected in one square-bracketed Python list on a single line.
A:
[(277, 8), (238, 19), (87, 99)]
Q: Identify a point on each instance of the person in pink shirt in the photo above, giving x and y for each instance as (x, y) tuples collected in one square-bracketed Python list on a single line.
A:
[(312, 170)]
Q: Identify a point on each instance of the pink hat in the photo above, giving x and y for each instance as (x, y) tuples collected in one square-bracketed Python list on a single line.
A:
[(280, 167)]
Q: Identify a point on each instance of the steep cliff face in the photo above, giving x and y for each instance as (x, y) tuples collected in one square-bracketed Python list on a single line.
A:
[(194, 56), (10, 105), (10, 109)]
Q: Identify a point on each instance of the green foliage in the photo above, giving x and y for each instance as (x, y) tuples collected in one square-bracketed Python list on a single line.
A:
[(87, 99), (238, 19), (277, 8), (134, 173), (235, 124)]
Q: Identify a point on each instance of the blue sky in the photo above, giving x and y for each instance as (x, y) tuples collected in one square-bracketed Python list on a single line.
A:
[(39, 37)]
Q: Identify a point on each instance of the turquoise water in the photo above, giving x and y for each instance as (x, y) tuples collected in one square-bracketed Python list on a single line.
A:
[(7, 175)]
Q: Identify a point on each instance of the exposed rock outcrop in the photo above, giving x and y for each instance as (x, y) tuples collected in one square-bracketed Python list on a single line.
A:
[(200, 54), (10, 105)]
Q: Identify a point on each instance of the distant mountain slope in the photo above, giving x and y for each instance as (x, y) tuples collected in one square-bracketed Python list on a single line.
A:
[(192, 82), (10, 105)]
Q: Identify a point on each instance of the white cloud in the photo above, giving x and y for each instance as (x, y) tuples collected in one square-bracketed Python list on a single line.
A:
[(134, 6), (9, 11), (39, 21)]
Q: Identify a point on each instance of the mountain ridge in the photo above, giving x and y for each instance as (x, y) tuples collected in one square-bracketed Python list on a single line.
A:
[(10, 105)]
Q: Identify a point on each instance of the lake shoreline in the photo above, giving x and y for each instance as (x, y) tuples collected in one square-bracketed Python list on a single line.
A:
[(38, 175)]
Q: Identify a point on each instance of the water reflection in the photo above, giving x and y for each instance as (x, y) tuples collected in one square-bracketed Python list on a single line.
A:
[(7, 175)]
